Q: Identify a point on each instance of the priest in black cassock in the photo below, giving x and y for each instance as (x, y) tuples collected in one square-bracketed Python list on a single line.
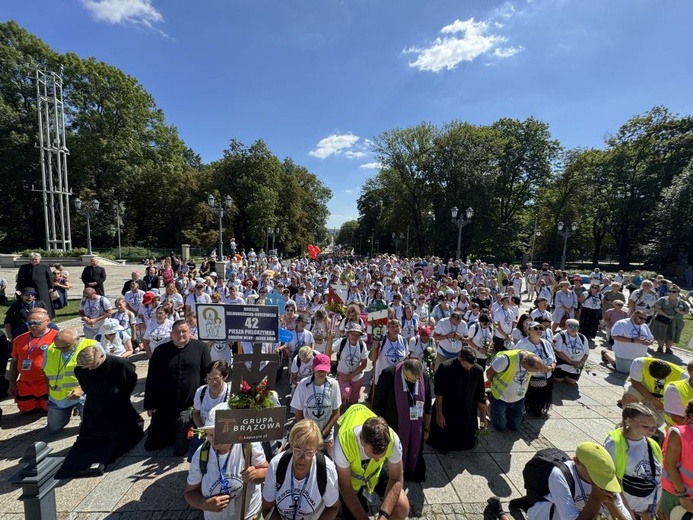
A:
[(460, 396), (39, 276), (110, 425), (177, 369)]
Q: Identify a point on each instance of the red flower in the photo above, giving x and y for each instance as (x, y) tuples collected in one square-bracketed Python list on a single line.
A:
[(245, 387)]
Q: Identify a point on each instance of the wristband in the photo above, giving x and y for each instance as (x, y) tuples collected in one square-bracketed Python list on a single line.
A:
[(383, 513), (682, 495)]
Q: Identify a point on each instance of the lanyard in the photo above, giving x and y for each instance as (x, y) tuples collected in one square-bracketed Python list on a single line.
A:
[(298, 499), (222, 470), (36, 344), (637, 330), (582, 489), (319, 404)]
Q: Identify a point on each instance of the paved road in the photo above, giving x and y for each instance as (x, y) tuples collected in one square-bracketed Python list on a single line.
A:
[(148, 485)]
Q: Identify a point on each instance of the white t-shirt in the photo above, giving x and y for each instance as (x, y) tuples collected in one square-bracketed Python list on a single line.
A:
[(592, 301), (300, 339), (575, 348), (117, 346), (638, 465), (568, 507), (93, 308), (637, 368), (672, 400), (221, 351), (305, 370), (310, 504), (409, 327), (478, 335), (416, 347), (194, 299), (517, 388), (644, 301), (504, 318), (544, 349), (317, 402), (341, 461), (158, 333), (390, 353), (351, 357), (232, 464), (451, 346), (176, 298), (209, 402), (134, 300), (628, 329)]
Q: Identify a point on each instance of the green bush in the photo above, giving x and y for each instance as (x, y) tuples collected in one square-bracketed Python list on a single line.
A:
[(54, 254)]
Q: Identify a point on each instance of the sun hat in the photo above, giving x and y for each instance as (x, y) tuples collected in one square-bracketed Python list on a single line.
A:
[(425, 331), (573, 322), (599, 465), (111, 326), (321, 363), (353, 327), (148, 297)]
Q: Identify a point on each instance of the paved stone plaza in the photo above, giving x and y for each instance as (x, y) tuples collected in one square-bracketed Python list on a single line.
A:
[(149, 485)]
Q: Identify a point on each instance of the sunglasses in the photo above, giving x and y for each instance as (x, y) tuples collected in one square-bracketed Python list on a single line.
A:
[(538, 328), (33, 323), (574, 327), (672, 292), (199, 287)]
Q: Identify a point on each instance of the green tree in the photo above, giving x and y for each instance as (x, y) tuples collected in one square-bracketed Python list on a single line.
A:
[(348, 235)]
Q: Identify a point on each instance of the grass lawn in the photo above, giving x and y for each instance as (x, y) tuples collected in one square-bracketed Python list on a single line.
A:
[(66, 313), (687, 332)]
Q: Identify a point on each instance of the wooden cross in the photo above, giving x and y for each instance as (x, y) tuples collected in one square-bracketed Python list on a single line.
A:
[(256, 372)]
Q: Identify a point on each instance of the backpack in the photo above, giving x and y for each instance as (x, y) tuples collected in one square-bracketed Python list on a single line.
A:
[(342, 344), (283, 467), (536, 475), (270, 449)]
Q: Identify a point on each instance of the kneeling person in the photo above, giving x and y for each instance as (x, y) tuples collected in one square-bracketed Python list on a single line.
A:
[(305, 469), (216, 476), (364, 444), (594, 489)]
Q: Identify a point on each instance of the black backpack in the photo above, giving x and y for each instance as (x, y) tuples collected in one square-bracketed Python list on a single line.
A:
[(283, 467), (536, 475)]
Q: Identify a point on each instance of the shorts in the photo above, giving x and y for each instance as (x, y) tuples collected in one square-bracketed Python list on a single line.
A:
[(562, 374)]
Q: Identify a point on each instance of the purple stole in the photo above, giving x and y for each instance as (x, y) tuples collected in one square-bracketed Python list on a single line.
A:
[(410, 431)]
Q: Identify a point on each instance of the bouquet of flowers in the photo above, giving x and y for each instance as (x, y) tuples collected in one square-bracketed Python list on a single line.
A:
[(336, 307), (429, 358), (257, 397)]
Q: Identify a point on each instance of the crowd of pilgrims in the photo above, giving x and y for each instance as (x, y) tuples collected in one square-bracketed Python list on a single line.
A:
[(438, 320)]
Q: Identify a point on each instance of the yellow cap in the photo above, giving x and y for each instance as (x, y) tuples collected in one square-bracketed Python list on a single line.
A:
[(599, 465)]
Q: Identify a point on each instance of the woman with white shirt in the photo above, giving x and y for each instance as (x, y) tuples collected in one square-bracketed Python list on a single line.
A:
[(296, 493), (216, 391), (591, 313), (172, 294), (114, 340), (158, 332)]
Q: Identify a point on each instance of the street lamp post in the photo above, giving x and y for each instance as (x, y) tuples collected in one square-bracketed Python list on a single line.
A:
[(87, 211), (219, 210), (274, 232), (396, 238), (460, 223), (119, 223), (566, 234)]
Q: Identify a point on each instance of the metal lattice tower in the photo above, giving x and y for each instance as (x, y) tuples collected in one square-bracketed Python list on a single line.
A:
[(54, 152)]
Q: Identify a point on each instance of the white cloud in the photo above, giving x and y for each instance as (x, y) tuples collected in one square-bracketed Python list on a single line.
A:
[(465, 40), (348, 191), (136, 12), (340, 144), (372, 166)]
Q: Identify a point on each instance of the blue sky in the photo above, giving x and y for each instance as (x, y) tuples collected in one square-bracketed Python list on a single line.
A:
[(317, 79)]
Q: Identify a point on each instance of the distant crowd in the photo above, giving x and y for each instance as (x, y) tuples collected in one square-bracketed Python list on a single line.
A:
[(454, 347)]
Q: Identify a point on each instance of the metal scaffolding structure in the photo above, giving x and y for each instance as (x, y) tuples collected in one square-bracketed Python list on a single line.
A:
[(54, 185)]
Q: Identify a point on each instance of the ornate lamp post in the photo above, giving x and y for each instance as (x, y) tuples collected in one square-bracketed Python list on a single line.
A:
[(566, 234), (219, 210), (460, 223), (87, 211), (273, 232)]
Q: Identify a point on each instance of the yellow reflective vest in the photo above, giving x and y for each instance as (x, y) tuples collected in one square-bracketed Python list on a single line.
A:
[(61, 376), (651, 383), (685, 391), (502, 379), (621, 451), (355, 416)]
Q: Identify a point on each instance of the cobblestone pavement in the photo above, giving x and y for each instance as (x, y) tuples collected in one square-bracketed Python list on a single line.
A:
[(149, 485)]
